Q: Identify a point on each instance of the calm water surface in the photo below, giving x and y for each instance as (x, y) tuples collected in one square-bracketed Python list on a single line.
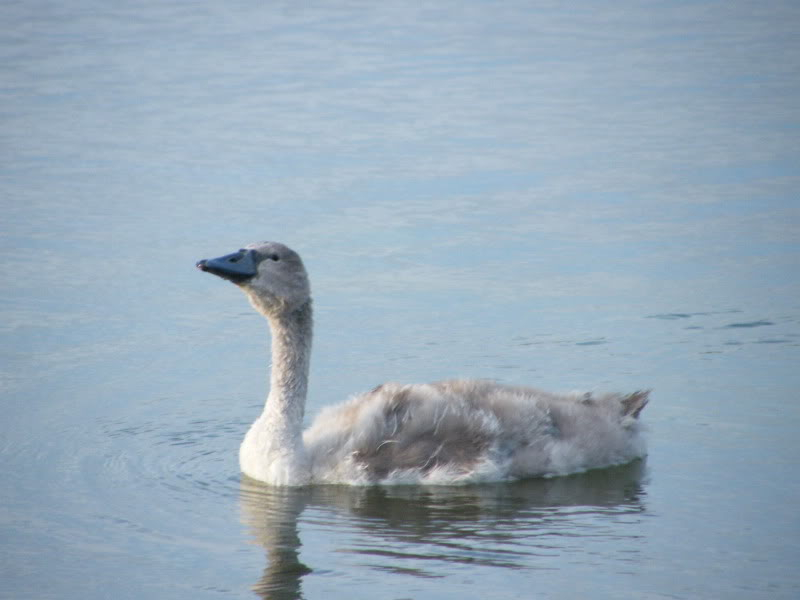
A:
[(573, 197)]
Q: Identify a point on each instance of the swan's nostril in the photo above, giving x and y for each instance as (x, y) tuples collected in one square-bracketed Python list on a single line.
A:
[(234, 258)]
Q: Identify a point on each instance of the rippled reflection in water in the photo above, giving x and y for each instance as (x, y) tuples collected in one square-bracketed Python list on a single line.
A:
[(422, 531)]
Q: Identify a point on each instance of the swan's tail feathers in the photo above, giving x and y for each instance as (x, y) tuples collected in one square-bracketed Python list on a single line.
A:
[(632, 404)]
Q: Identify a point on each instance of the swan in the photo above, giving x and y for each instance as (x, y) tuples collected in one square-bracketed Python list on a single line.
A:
[(448, 432)]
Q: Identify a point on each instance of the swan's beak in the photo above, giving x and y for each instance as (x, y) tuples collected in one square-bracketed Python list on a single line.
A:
[(237, 267)]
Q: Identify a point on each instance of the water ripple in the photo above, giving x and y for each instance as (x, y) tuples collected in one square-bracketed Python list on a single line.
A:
[(427, 531), (749, 324)]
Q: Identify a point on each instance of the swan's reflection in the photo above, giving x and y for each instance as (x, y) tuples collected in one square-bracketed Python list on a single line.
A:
[(498, 525)]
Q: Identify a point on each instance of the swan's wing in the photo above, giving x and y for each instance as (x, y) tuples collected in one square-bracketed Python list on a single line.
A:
[(420, 428), (634, 403), (452, 430)]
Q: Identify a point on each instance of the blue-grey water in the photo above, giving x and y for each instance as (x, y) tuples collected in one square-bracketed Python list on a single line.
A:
[(595, 196)]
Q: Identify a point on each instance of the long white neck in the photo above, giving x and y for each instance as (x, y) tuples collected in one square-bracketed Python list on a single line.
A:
[(273, 450), (291, 350)]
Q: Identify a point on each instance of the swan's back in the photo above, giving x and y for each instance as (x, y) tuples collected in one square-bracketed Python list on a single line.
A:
[(463, 431)]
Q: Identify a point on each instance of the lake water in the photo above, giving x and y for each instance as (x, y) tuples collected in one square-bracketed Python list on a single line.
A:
[(573, 196)]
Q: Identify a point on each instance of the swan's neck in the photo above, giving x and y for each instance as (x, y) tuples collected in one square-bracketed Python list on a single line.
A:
[(291, 350), (272, 450)]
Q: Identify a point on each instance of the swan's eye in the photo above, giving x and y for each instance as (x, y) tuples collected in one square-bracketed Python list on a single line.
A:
[(274, 257)]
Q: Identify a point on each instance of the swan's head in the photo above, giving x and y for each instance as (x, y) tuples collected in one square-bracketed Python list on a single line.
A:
[(272, 276)]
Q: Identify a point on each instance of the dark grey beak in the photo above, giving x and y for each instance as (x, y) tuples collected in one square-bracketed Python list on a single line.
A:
[(237, 267)]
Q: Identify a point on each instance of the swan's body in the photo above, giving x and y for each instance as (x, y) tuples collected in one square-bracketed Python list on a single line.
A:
[(443, 433)]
